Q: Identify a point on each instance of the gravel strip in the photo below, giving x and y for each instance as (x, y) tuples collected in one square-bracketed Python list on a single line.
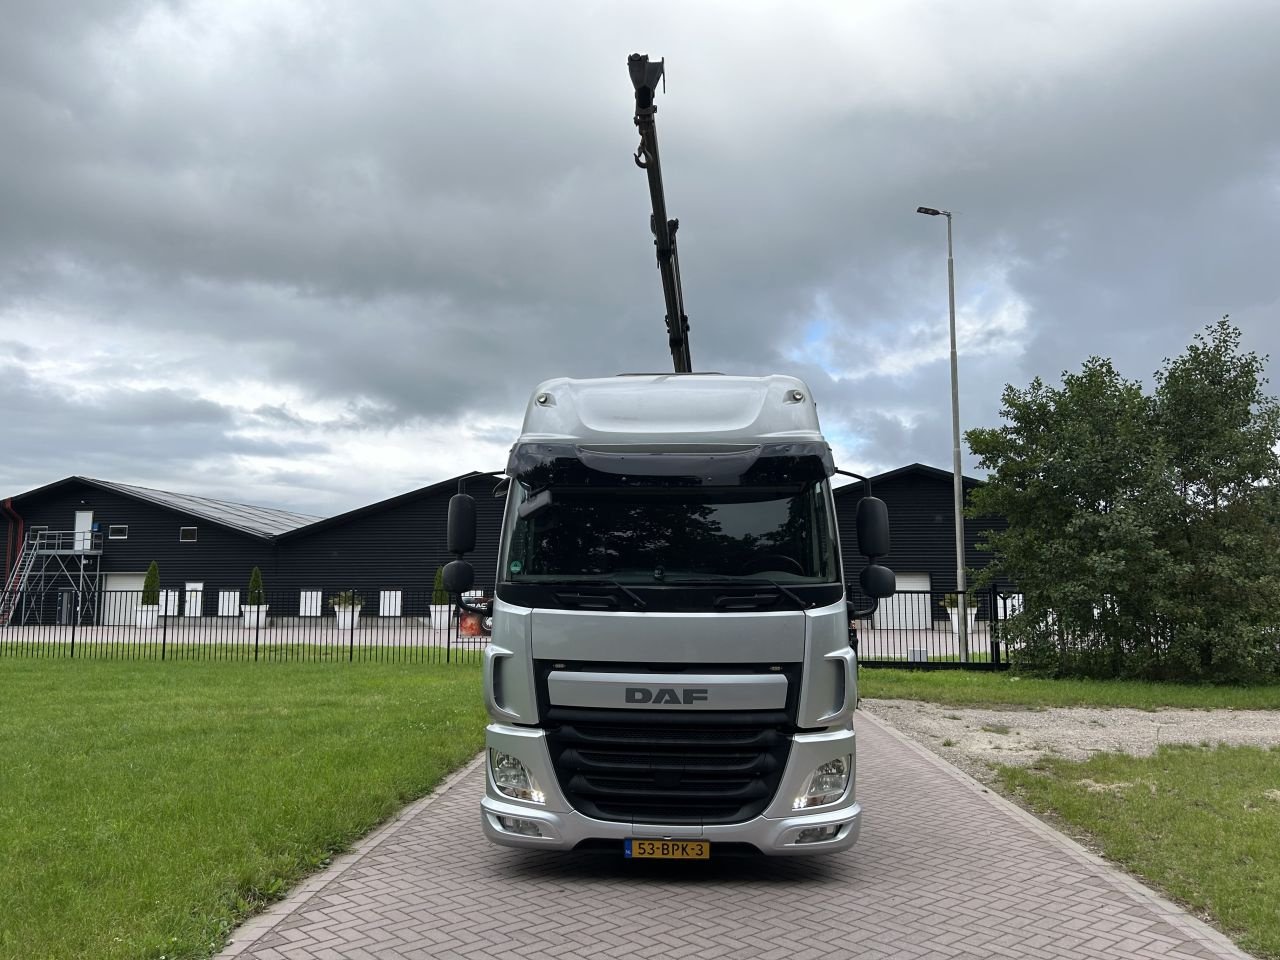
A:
[(975, 739)]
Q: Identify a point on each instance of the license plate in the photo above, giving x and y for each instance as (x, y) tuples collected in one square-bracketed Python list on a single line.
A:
[(669, 849)]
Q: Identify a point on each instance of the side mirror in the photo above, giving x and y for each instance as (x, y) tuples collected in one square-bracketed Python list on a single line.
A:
[(458, 576), (873, 528), (461, 535), (875, 580)]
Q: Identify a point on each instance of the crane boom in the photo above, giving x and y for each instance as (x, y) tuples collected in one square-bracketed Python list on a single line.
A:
[(644, 77)]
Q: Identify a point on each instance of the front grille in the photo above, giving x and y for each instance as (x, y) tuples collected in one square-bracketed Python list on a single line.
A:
[(647, 767)]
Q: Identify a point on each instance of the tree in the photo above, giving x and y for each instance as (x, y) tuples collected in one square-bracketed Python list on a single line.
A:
[(439, 594), (257, 596), (151, 586), (1142, 529), (1073, 476), (1220, 432)]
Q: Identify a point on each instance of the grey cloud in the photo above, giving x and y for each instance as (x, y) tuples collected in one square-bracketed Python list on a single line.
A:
[(422, 212)]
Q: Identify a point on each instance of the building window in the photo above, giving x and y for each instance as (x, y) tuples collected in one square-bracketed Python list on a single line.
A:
[(187, 534), (309, 603), (118, 531)]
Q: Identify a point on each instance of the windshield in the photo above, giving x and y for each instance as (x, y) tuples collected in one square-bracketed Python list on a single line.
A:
[(653, 531)]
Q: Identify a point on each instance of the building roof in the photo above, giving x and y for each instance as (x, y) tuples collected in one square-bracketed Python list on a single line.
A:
[(264, 522), (920, 468), (398, 500)]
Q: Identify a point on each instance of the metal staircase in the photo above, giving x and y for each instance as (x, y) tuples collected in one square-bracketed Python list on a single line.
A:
[(17, 582)]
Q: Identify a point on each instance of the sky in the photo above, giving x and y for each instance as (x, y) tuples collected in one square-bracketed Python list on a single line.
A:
[(311, 255)]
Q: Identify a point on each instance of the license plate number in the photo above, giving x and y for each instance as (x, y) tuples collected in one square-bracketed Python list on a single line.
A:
[(669, 849)]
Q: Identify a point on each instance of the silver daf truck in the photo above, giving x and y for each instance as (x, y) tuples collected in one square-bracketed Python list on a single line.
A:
[(671, 672)]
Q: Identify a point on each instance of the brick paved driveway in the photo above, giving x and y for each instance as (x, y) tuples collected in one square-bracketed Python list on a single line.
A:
[(943, 869)]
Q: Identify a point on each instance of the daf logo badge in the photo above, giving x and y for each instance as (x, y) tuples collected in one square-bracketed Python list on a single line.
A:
[(667, 695)]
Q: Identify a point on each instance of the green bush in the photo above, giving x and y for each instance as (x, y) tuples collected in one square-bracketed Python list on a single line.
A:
[(347, 598), (151, 586)]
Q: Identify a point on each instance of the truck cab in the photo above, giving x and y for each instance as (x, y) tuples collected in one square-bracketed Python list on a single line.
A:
[(670, 671)]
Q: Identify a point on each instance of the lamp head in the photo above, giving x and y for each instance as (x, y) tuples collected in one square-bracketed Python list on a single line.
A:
[(929, 211)]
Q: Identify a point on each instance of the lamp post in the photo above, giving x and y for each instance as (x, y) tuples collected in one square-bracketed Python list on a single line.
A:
[(957, 481)]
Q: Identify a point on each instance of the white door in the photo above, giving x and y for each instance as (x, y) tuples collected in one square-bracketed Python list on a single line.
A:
[(909, 608), (84, 529), (194, 604), (121, 596)]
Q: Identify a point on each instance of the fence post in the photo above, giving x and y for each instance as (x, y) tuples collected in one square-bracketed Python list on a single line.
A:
[(164, 630), (351, 648), (257, 629), (994, 624), (75, 615)]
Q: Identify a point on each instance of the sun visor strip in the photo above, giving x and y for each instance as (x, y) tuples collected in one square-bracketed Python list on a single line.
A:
[(735, 462)]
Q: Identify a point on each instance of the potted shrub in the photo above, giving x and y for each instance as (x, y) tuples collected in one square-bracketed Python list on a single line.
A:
[(148, 615), (346, 609), (439, 601), (255, 610), (953, 611)]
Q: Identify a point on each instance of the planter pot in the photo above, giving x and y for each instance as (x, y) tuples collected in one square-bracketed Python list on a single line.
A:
[(346, 618), (254, 617), (439, 615), (148, 616), (971, 616)]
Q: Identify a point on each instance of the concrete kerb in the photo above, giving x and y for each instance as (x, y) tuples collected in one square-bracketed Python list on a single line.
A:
[(254, 929), (1170, 912)]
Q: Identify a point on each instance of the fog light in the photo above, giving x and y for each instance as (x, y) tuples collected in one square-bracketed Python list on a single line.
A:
[(513, 779), (520, 826), (817, 834), (826, 784)]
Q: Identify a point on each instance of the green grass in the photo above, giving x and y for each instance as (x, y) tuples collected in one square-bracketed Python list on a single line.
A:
[(145, 808), (1202, 825), (970, 688)]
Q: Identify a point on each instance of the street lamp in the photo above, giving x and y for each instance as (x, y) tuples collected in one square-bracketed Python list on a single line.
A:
[(957, 482)]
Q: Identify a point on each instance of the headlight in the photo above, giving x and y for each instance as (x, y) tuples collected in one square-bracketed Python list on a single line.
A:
[(513, 779), (826, 784)]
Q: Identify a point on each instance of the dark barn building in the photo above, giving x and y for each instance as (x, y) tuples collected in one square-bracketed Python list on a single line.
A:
[(922, 521), (390, 549), (97, 538), (94, 539)]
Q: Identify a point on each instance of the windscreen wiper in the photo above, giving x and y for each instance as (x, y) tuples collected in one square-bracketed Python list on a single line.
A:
[(805, 604), (747, 582), (630, 594)]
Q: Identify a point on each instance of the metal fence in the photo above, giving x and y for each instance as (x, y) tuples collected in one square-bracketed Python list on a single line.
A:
[(911, 629), (916, 629), (312, 625)]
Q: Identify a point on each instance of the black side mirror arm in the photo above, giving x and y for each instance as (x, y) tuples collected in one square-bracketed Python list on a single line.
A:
[(862, 614)]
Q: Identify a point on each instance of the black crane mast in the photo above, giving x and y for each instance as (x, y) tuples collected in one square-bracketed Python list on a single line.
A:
[(644, 77)]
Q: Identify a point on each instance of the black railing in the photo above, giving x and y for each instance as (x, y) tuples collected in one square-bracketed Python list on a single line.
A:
[(911, 629), (399, 626), (917, 628)]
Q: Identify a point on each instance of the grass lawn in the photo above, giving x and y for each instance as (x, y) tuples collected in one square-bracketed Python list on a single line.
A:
[(1202, 825), (145, 807), (972, 688)]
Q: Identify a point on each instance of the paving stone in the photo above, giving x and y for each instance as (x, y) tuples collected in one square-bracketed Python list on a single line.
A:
[(944, 868)]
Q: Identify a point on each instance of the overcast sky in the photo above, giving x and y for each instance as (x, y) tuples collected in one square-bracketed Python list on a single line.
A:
[(311, 255)]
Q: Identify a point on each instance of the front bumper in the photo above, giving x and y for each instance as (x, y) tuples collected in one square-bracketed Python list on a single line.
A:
[(775, 832)]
